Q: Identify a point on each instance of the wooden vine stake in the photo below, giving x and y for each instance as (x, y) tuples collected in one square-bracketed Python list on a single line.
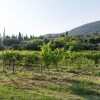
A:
[(3, 60), (13, 65)]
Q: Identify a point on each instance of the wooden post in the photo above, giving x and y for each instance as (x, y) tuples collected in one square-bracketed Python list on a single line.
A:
[(41, 67), (13, 66), (3, 60)]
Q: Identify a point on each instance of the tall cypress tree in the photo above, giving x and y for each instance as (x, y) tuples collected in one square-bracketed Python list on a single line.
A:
[(20, 37)]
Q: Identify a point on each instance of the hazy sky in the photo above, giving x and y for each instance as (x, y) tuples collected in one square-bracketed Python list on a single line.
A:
[(37, 17)]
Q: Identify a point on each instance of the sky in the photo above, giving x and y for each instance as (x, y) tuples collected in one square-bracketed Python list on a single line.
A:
[(39, 17)]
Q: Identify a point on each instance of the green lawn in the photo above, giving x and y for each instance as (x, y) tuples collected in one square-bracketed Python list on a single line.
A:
[(32, 85), (10, 93)]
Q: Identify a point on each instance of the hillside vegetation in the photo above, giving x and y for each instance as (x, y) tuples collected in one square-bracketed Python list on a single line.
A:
[(86, 29)]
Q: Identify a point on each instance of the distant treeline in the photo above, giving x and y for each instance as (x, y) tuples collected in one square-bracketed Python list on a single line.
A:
[(76, 43)]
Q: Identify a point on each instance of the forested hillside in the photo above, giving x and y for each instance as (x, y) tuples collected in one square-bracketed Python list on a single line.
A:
[(86, 29)]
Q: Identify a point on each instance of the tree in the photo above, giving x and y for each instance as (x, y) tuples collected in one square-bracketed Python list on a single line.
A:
[(9, 42), (67, 33), (25, 38), (20, 38), (7, 37), (57, 43), (32, 37), (2, 47), (33, 45), (46, 40), (13, 36), (16, 47), (40, 37), (62, 35)]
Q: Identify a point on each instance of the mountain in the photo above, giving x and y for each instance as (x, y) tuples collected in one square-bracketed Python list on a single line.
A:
[(85, 29)]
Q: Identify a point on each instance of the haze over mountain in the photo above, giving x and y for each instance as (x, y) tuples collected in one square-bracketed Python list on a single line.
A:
[(88, 28)]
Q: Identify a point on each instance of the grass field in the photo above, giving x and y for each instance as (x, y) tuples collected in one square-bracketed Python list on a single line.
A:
[(27, 84)]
